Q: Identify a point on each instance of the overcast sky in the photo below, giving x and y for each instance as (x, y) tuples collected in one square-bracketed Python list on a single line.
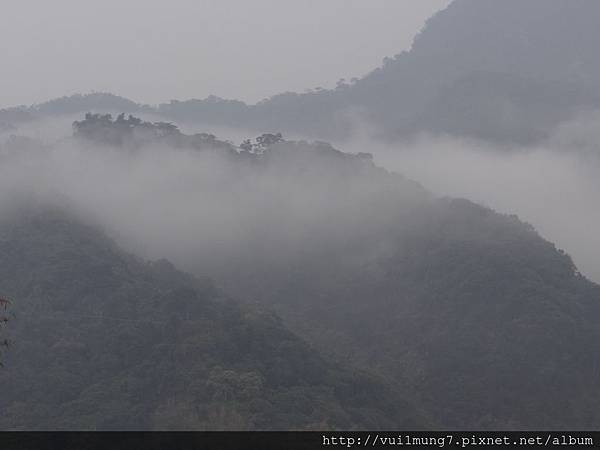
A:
[(153, 51)]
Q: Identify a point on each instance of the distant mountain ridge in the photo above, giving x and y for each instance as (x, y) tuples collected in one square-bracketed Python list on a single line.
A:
[(460, 77)]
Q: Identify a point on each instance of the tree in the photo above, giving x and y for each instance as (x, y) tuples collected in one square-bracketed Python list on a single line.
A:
[(263, 142), (266, 140), (246, 145), (122, 130)]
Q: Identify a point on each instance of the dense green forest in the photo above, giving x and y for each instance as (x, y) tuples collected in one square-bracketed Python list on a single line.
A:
[(411, 310), (154, 277), (103, 340), (491, 325)]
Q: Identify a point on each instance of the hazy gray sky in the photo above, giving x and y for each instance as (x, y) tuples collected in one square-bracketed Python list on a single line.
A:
[(153, 51)]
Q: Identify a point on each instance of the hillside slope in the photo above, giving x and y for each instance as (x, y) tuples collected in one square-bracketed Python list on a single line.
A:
[(492, 326), (489, 325), (103, 341)]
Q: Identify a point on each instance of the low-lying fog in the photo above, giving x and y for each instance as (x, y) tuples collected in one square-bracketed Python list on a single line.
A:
[(160, 203), (554, 186)]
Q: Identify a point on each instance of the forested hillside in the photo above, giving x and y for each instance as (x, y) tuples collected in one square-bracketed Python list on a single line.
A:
[(102, 340), (491, 325), (390, 254), (485, 322)]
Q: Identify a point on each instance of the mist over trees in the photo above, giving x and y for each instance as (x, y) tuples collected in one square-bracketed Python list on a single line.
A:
[(457, 315), (117, 343), (162, 277)]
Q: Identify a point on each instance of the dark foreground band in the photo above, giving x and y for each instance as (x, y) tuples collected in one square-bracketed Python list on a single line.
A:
[(294, 440)]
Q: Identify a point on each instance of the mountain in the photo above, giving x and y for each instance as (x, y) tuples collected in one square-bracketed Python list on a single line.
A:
[(73, 105), (133, 132), (491, 325), (503, 108), (507, 71), (98, 101), (321, 291), (487, 323), (102, 340)]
